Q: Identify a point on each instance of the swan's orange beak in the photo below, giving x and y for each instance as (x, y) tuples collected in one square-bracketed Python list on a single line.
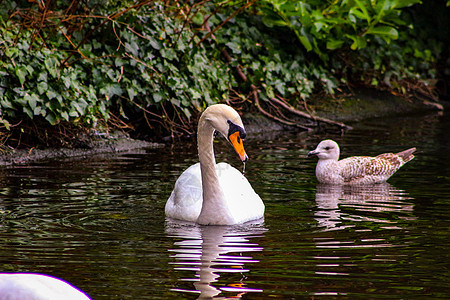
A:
[(238, 145)]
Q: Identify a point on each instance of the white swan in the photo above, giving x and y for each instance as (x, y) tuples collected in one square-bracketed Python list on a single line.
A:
[(31, 286), (215, 194)]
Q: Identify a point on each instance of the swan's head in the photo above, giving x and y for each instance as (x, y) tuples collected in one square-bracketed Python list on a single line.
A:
[(227, 121), (327, 149)]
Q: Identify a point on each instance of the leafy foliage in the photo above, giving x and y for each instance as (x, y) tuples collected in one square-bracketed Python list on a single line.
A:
[(140, 60), (155, 64), (32, 83), (372, 42), (320, 25), (272, 64), (82, 62)]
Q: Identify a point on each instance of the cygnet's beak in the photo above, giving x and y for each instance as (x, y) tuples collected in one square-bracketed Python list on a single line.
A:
[(312, 153), (238, 145)]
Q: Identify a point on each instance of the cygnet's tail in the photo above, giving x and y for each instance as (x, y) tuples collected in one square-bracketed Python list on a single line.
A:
[(407, 155)]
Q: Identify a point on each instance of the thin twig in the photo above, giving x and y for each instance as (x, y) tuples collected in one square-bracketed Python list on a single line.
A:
[(305, 115), (258, 105)]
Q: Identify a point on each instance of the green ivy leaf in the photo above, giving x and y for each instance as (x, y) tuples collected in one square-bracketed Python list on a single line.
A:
[(67, 81), (195, 94), (39, 111), (65, 115), (384, 31), (32, 100), (273, 21), (334, 44), (4, 103), (406, 3), (50, 64), (358, 41), (42, 76), (50, 94), (111, 89), (51, 119), (198, 19), (133, 47), (154, 43), (305, 41), (28, 111), (157, 97), (21, 73), (131, 93), (235, 47), (168, 54), (361, 11), (5, 123), (42, 87)]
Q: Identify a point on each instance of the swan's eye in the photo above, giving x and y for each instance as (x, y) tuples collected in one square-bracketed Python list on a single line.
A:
[(233, 128)]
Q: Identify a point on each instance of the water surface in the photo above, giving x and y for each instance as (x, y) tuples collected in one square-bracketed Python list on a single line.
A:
[(99, 223)]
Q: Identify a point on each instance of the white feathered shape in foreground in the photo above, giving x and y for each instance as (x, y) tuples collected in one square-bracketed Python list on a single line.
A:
[(356, 170), (31, 286), (215, 194)]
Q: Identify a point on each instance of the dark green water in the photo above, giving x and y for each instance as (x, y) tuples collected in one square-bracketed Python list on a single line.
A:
[(99, 223)]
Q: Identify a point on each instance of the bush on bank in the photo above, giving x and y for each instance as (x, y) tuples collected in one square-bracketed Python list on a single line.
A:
[(160, 63)]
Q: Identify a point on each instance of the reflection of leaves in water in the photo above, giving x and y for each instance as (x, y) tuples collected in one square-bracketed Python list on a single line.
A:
[(213, 251), (339, 207)]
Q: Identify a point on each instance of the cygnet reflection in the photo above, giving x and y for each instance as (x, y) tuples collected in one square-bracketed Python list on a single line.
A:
[(338, 206)]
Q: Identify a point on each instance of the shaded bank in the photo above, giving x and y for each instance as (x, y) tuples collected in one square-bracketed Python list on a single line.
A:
[(370, 103), (365, 104), (335, 114), (96, 145)]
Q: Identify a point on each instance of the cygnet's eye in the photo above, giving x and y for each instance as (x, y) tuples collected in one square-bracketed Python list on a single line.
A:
[(328, 148)]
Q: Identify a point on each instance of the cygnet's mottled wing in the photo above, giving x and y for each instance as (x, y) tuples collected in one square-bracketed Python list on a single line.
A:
[(354, 168), (365, 169)]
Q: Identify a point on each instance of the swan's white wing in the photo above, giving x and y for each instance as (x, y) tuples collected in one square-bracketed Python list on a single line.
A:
[(243, 202), (19, 286), (185, 202)]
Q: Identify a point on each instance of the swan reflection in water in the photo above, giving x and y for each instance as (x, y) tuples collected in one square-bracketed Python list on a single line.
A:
[(212, 251), (338, 206)]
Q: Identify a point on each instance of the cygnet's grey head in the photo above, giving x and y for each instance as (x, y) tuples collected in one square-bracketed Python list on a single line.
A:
[(327, 149)]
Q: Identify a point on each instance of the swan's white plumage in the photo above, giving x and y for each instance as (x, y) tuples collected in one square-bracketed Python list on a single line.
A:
[(29, 286), (225, 197), (185, 202)]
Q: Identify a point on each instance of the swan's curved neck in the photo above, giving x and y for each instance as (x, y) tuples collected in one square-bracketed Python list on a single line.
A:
[(214, 209)]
